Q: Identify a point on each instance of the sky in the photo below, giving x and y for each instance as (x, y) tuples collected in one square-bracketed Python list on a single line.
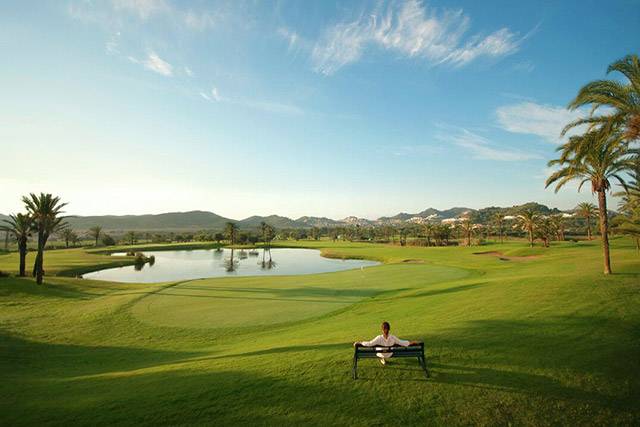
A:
[(319, 108)]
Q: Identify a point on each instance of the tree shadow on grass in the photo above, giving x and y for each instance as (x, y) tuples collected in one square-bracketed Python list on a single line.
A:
[(20, 286)]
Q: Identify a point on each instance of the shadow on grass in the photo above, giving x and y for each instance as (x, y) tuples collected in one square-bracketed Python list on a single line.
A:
[(22, 286)]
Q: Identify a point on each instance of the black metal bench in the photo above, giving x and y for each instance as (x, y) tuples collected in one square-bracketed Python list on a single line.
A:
[(362, 352)]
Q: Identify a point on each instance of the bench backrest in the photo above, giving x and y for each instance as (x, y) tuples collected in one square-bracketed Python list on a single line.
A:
[(396, 350)]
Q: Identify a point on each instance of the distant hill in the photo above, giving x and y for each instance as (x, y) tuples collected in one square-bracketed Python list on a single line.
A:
[(202, 220), (430, 213), (314, 221), (194, 220), (273, 220)]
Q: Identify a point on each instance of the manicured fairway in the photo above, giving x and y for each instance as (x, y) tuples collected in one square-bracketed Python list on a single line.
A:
[(537, 337)]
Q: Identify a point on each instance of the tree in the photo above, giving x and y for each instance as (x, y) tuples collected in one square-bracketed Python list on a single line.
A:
[(528, 222), (544, 230), (46, 212), (107, 240), (587, 211), (621, 100), (131, 237), (218, 237), (596, 157), (95, 233), (557, 224), (466, 226), (231, 232), (20, 226), (428, 232), (315, 233), (628, 222), (68, 236), (498, 220)]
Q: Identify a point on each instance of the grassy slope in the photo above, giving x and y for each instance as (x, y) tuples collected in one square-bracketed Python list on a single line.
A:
[(538, 341)]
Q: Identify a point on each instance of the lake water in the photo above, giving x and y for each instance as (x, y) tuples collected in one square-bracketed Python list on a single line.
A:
[(200, 263)]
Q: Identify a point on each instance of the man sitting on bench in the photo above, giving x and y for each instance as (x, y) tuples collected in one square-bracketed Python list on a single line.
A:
[(385, 340)]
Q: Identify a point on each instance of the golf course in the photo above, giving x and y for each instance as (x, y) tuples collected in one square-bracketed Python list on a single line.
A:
[(513, 336)]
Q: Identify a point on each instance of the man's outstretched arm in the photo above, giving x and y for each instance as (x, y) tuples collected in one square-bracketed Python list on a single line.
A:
[(375, 341)]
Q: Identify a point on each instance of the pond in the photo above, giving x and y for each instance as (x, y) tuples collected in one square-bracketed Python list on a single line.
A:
[(201, 263)]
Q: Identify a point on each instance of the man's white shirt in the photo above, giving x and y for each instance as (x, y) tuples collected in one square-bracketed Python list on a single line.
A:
[(381, 341)]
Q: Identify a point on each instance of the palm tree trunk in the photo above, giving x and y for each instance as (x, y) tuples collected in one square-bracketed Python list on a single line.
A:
[(604, 229), (38, 273), (588, 229), (530, 238), (23, 257)]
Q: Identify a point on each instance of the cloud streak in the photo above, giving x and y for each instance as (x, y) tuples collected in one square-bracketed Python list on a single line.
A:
[(544, 121), (481, 148), (267, 106), (412, 30), (154, 63)]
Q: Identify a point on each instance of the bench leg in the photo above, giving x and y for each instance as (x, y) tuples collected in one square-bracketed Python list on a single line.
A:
[(423, 364), (355, 368)]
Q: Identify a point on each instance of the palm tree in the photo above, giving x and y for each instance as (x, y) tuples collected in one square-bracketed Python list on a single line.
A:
[(428, 232), (528, 222), (498, 220), (587, 211), (622, 98), (596, 157), (68, 236), (46, 212), (557, 223), (231, 232), (20, 226), (95, 233), (131, 237), (628, 222), (545, 228), (467, 228)]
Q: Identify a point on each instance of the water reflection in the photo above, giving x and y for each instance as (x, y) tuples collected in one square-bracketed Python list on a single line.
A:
[(267, 264), (200, 263)]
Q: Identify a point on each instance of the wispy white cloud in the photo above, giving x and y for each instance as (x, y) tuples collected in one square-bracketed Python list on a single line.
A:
[(198, 21), (112, 45), (545, 121), (154, 63), (188, 71), (142, 8), (413, 30), (481, 148), (292, 37), (268, 106)]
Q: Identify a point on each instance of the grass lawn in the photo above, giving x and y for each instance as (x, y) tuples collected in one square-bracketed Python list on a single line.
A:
[(526, 337)]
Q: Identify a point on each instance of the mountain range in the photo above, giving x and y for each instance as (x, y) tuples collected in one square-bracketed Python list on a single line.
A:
[(201, 220)]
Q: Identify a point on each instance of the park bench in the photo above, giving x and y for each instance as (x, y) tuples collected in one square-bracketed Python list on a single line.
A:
[(362, 352)]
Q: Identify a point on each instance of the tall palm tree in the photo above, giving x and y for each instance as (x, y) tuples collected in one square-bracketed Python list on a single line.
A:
[(587, 211), (20, 226), (498, 220), (231, 232), (528, 222), (596, 157), (95, 232), (621, 98), (46, 212)]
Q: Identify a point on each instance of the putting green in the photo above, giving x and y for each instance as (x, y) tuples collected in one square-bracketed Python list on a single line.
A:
[(253, 301)]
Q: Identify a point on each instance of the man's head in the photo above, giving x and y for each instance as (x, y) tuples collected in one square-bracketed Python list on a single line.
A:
[(385, 328)]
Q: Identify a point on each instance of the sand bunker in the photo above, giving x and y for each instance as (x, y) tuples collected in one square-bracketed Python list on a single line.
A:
[(503, 257)]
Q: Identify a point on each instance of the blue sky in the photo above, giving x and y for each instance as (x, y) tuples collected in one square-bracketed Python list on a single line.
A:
[(295, 107)]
